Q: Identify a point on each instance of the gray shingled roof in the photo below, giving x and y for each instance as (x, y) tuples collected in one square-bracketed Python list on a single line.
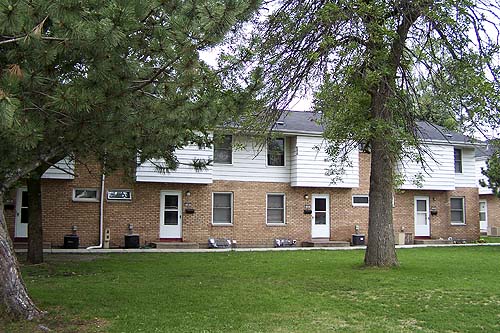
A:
[(486, 151), (307, 122)]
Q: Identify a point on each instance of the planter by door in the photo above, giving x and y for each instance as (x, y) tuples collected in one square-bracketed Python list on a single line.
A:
[(21, 221), (171, 214), (422, 217), (320, 217)]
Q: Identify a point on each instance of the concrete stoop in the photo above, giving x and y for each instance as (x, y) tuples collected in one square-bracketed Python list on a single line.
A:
[(176, 245), (324, 242), (432, 241)]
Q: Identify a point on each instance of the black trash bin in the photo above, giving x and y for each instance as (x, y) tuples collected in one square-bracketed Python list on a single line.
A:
[(71, 241), (358, 239), (132, 241)]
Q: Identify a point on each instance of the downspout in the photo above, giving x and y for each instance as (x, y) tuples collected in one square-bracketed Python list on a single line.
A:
[(101, 214)]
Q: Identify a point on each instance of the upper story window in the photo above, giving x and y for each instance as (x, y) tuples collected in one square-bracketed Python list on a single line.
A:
[(276, 152), (457, 210), (458, 160), (223, 149)]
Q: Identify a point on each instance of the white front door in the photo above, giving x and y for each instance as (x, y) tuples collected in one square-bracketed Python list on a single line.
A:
[(171, 214), (422, 217), (483, 216), (21, 220), (320, 216)]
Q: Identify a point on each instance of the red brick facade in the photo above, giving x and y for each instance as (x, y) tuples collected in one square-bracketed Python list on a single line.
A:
[(249, 227), (493, 210)]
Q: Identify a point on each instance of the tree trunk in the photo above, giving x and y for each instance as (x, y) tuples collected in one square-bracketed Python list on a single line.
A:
[(13, 292), (380, 250), (35, 230)]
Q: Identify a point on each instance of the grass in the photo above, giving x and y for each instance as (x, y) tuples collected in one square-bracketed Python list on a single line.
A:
[(434, 290), (490, 239)]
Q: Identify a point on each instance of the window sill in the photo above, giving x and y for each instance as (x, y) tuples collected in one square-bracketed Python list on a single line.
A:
[(458, 224), (361, 205), (222, 224), (276, 224), (85, 200)]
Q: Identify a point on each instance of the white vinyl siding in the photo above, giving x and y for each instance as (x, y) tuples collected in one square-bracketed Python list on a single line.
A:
[(63, 165), (481, 163), (147, 171), (439, 173), (309, 166), (468, 176), (250, 164)]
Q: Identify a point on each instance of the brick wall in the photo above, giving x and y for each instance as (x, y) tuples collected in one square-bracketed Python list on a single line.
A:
[(493, 210), (249, 227)]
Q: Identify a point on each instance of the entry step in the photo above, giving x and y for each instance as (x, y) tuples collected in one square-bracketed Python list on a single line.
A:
[(324, 242), (176, 245)]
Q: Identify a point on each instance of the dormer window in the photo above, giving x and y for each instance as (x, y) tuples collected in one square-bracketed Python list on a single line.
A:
[(458, 160), (276, 152)]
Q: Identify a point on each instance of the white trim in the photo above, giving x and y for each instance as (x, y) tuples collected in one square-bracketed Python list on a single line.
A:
[(162, 215), (96, 199), (361, 204), (232, 151), (20, 229), (273, 224), (461, 161), (284, 152), (415, 212), (320, 231), (118, 199), (485, 214), (463, 211), (232, 209)]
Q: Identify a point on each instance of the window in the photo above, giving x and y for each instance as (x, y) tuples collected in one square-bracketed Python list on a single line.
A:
[(275, 209), (276, 152), (223, 149), (482, 211), (360, 200), (222, 208), (457, 210), (86, 194), (119, 195), (458, 160)]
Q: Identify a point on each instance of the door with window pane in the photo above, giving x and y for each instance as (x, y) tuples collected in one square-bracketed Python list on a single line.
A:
[(21, 222), (422, 217), (170, 214), (320, 217), (483, 216)]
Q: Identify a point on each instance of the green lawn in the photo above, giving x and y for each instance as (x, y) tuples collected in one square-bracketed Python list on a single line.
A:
[(434, 290), (490, 239)]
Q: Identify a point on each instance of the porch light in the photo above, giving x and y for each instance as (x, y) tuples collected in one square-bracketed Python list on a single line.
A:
[(306, 196), (188, 193)]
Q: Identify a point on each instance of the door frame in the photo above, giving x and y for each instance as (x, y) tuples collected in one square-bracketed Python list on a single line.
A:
[(485, 215), (178, 233), (427, 200), (324, 230), (20, 230)]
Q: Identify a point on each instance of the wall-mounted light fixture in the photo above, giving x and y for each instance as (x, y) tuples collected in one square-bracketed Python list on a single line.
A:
[(306, 196), (188, 207), (188, 193)]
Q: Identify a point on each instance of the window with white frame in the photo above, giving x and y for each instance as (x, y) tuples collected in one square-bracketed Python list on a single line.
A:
[(482, 211), (86, 194), (223, 149), (457, 153), (276, 152), (119, 195), (457, 210), (275, 208), (360, 200), (222, 208)]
